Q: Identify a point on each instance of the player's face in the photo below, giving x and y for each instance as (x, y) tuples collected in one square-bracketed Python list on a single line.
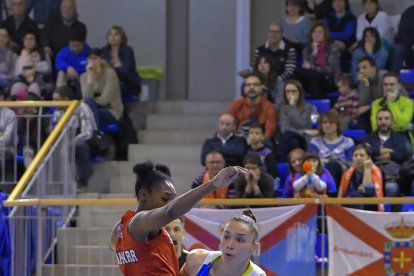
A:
[(176, 231), (237, 242), (161, 195)]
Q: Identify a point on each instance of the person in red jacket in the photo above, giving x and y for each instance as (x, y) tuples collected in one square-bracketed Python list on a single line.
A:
[(141, 244)]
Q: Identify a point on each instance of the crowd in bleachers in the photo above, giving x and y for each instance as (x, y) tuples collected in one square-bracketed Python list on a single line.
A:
[(47, 58), (360, 144)]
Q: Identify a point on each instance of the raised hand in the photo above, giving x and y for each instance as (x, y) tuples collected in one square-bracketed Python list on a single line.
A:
[(226, 175)]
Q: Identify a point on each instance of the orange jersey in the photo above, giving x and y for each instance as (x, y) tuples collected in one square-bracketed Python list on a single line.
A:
[(155, 257)]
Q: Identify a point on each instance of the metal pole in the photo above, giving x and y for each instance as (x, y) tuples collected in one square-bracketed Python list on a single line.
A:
[(39, 257), (323, 238)]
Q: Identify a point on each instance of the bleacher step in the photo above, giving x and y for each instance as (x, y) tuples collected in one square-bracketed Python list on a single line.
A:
[(181, 137), (91, 255), (76, 270), (191, 107), (165, 153), (181, 122)]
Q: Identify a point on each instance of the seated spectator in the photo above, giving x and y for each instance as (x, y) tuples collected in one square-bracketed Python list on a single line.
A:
[(282, 52), (256, 183), (388, 150), (233, 147), (347, 103), (319, 9), (29, 43), (71, 61), (18, 23), (255, 139), (362, 179), (7, 59), (8, 125), (401, 107), (86, 126), (333, 148), (295, 119), (295, 160), (369, 89), (266, 70), (297, 25), (370, 45), (101, 90), (403, 49), (341, 24), (61, 26), (315, 181), (376, 18), (122, 58), (254, 108), (321, 63), (214, 162)]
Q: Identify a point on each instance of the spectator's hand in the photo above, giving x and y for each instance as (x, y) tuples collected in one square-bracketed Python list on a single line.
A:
[(306, 65), (315, 47), (311, 132), (367, 164), (409, 126), (361, 189), (71, 73), (363, 79), (362, 109), (340, 45), (386, 150), (251, 177), (369, 47), (226, 175), (48, 51)]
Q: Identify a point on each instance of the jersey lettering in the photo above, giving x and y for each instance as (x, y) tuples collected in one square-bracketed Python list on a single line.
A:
[(125, 257)]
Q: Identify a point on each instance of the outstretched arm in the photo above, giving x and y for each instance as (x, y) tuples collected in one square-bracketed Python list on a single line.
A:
[(145, 222)]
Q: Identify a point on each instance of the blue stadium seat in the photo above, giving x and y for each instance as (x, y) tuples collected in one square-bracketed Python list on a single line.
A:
[(318, 249), (321, 105), (357, 134), (130, 98), (407, 75), (111, 128), (283, 169), (407, 207), (333, 95)]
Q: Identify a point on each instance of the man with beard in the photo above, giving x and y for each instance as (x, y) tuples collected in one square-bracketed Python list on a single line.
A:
[(253, 108), (176, 231), (389, 150)]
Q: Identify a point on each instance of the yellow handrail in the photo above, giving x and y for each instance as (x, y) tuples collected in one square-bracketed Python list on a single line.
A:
[(232, 201), (44, 149)]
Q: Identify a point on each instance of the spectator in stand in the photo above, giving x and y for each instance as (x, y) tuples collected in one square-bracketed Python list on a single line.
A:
[(362, 179), (342, 29), (18, 23), (369, 89), (316, 182), (214, 163), (42, 10), (233, 147), (86, 126), (122, 58), (176, 231), (60, 27), (71, 61), (403, 49), (321, 63), (295, 160), (254, 108), (8, 125), (334, 149), (283, 53), (370, 45), (7, 58), (389, 150), (347, 103), (376, 18), (401, 107), (266, 69), (256, 183), (295, 119), (255, 139), (29, 43), (101, 90), (319, 9), (296, 25)]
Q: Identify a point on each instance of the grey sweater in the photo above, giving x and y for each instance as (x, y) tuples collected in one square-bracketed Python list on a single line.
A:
[(294, 120)]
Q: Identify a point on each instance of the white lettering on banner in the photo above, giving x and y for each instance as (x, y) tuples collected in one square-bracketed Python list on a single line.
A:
[(353, 252), (298, 239)]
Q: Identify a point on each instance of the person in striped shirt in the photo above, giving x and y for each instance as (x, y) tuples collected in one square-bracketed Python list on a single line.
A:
[(347, 103)]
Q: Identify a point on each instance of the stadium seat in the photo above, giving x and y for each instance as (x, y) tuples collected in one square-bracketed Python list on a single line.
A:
[(357, 134), (130, 98), (333, 95), (321, 105), (407, 75), (407, 207), (318, 249), (111, 128), (283, 169)]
